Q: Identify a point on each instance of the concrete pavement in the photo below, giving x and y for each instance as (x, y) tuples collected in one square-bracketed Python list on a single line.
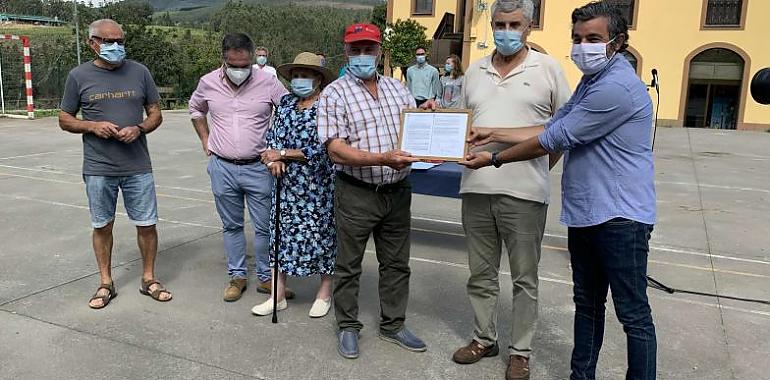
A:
[(712, 236)]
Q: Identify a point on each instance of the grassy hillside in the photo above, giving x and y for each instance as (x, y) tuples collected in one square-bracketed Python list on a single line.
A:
[(189, 5)]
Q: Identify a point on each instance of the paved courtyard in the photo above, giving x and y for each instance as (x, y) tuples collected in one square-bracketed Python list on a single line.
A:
[(713, 236)]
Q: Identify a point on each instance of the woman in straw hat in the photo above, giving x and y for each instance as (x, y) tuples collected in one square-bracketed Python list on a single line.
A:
[(308, 242)]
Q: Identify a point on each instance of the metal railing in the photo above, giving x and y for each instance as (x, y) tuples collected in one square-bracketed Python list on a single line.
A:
[(724, 12)]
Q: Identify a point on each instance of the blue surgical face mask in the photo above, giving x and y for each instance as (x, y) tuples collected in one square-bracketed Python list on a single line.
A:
[(420, 59), (448, 68), (508, 42), (261, 60), (302, 87), (362, 66), (113, 53)]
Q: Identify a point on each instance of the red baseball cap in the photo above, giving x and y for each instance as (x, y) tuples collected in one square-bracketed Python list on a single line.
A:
[(362, 32)]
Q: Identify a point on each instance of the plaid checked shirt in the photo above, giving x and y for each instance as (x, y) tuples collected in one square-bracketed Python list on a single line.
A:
[(346, 110)]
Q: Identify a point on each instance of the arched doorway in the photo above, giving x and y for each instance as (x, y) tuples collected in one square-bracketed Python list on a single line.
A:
[(536, 47), (634, 58), (715, 84)]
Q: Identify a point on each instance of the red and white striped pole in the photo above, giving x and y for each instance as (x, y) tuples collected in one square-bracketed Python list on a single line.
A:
[(28, 77), (27, 71)]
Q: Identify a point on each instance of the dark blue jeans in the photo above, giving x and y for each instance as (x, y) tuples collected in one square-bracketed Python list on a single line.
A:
[(612, 255)]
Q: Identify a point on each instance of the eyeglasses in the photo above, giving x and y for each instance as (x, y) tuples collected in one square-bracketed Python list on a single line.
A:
[(110, 41)]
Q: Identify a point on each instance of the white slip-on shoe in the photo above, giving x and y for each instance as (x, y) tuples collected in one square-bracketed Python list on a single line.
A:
[(266, 308), (320, 308)]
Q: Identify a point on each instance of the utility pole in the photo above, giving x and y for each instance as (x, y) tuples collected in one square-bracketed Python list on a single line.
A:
[(77, 28)]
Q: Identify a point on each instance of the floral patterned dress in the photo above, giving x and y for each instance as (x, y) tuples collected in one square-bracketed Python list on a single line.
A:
[(308, 244)]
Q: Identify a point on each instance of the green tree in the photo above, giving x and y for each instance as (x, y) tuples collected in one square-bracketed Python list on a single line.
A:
[(138, 12), (63, 10), (401, 40), (379, 15), (23, 7), (287, 30)]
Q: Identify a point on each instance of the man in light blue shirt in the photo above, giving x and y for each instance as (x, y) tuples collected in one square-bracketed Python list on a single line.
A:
[(608, 191), (422, 79)]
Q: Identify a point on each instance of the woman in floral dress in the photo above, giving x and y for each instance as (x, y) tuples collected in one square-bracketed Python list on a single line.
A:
[(295, 155)]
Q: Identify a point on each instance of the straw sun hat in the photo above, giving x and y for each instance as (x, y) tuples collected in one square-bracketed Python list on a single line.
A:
[(306, 60)]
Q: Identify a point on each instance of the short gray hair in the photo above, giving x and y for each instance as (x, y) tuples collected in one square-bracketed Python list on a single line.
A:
[(526, 6), (94, 27)]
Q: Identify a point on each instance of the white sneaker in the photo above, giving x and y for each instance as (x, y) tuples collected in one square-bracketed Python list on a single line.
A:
[(266, 308), (320, 308)]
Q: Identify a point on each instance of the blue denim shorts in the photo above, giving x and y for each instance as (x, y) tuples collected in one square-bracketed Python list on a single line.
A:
[(138, 198)]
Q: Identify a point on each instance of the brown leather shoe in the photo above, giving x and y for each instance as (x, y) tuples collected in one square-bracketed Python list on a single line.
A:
[(234, 291), (518, 368), (473, 352), (267, 288)]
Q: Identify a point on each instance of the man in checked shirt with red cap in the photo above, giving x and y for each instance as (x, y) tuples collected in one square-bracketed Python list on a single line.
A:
[(358, 120)]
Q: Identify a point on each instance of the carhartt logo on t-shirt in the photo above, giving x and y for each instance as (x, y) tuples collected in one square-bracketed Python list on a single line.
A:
[(112, 95)]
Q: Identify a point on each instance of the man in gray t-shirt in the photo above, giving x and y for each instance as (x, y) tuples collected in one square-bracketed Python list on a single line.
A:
[(118, 96), (113, 94)]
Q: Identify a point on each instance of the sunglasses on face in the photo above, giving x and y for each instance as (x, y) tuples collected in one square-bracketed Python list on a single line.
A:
[(109, 41)]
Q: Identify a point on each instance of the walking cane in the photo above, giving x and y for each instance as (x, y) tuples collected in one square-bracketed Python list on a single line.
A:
[(276, 245)]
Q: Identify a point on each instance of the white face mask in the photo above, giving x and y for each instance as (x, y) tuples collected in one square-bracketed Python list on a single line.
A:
[(238, 75), (591, 58)]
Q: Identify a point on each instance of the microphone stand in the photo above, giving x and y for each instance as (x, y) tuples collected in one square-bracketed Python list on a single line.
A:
[(656, 86)]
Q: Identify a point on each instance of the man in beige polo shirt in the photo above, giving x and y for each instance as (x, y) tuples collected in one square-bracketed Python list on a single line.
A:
[(506, 206)]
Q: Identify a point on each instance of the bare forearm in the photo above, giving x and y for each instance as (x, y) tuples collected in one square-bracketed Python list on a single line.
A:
[(154, 118), (72, 124), (515, 135), (343, 154), (523, 151), (201, 126), (295, 155)]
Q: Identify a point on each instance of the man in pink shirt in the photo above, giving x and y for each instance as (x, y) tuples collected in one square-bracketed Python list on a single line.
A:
[(238, 100)]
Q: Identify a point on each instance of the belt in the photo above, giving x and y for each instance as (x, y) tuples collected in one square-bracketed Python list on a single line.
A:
[(383, 188), (247, 161)]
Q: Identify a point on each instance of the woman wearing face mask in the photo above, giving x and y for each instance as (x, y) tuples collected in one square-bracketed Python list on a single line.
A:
[(451, 83), (296, 156)]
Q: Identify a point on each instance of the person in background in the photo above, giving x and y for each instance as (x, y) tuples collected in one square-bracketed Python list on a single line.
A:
[(451, 83), (422, 79), (262, 56), (322, 56), (296, 157)]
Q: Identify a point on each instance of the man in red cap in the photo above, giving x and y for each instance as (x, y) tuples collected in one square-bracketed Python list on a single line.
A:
[(358, 121)]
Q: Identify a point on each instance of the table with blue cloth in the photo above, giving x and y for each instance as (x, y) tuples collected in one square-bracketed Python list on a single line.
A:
[(442, 180)]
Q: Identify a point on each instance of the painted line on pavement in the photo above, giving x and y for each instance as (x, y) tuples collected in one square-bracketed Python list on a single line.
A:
[(652, 246), (566, 282), (54, 203), (163, 195)]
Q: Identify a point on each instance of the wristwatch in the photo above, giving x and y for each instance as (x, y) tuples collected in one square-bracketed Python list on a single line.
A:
[(142, 131), (495, 162), (283, 153)]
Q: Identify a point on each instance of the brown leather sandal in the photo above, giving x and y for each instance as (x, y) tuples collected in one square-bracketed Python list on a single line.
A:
[(155, 294), (105, 298)]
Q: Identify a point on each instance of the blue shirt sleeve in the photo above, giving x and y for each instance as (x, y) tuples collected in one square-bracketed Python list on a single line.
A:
[(601, 110)]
